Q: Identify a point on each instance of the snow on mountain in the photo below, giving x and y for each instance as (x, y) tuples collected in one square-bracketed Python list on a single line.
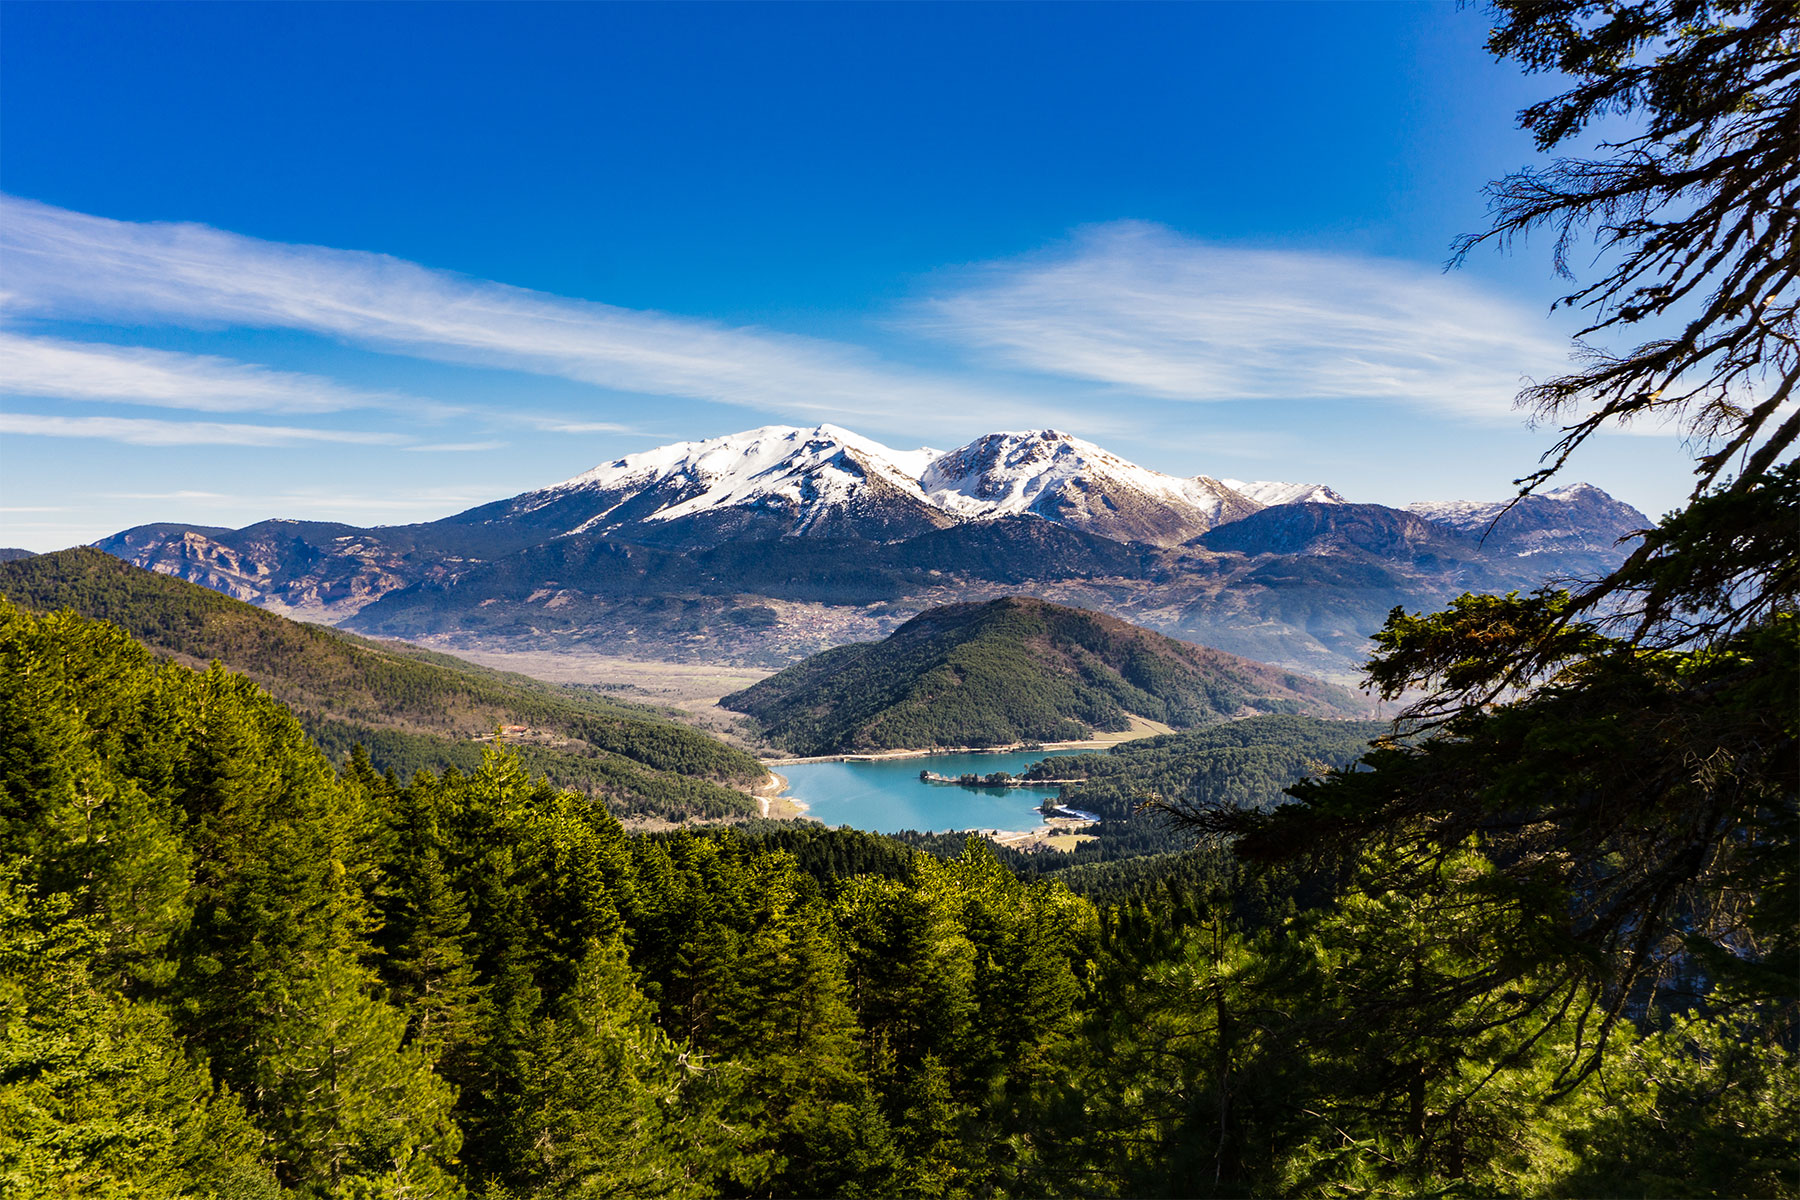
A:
[(805, 469), (782, 480), (1073, 482), (778, 480), (1271, 492), (1472, 516), (1577, 516)]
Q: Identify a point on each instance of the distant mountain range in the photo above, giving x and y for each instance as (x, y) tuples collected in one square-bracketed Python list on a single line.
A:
[(769, 545)]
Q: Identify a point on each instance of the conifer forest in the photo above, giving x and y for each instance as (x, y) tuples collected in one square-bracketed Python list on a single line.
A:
[(1537, 937)]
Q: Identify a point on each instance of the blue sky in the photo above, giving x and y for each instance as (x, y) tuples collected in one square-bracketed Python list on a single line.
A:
[(379, 263)]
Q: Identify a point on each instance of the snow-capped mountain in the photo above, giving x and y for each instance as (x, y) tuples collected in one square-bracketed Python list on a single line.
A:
[(1578, 516), (805, 470), (782, 540), (1270, 492), (774, 481), (1075, 483), (826, 481)]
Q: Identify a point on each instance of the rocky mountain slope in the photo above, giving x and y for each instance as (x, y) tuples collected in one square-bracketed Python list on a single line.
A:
[(1265, 491), (1076, 484), (1011, 670), (780, 481), (766, 546)]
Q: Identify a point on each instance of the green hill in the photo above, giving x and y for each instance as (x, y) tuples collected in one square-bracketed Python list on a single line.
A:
[(410, 708), (1016, 670)]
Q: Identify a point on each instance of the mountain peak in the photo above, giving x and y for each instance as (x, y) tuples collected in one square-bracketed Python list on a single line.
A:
[(1576, 515), (1574, 491), (739, 455), (774, 480), (1055, 475), (1272, 492)]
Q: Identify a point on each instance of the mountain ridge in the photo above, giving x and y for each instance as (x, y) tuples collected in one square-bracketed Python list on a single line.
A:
[(821, 481), (766, 546)]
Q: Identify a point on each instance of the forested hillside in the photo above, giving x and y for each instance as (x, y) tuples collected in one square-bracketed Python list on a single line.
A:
[(411, 709), (1248, 764), (229, 969), (1014, 670), (1138, 788)]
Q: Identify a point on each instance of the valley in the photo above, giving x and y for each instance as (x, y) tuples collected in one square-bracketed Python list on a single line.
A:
[(657, 681), (703, 577), (982, 687), (740, 572)]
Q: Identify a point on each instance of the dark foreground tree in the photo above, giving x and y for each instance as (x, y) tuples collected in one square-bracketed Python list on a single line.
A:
[(1626, 755), (1693, 217)]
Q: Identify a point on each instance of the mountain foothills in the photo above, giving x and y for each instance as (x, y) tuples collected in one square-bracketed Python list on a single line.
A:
[(409, 708), (767, 546), (1015, 670)]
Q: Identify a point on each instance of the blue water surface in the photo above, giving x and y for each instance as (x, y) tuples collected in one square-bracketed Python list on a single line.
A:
[(888, 796)]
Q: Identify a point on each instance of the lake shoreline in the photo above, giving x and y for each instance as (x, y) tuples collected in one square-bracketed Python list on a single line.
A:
[(1043, 824), (774, 805), (1139, 728), (890, 755)]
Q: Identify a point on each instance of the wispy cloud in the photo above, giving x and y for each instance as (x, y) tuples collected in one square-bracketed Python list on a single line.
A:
[(454, 447), (71, 264), (144, 432), (37, 366), (181, 494), (1150, 311), (561, 425)]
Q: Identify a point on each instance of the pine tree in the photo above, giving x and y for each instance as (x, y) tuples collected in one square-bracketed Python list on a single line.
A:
[(73, 710), (352, 1110), (97, 1097), (430, 974), (603, 1103)]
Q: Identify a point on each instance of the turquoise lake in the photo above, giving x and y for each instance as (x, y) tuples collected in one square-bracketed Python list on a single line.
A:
[(888, 796)]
